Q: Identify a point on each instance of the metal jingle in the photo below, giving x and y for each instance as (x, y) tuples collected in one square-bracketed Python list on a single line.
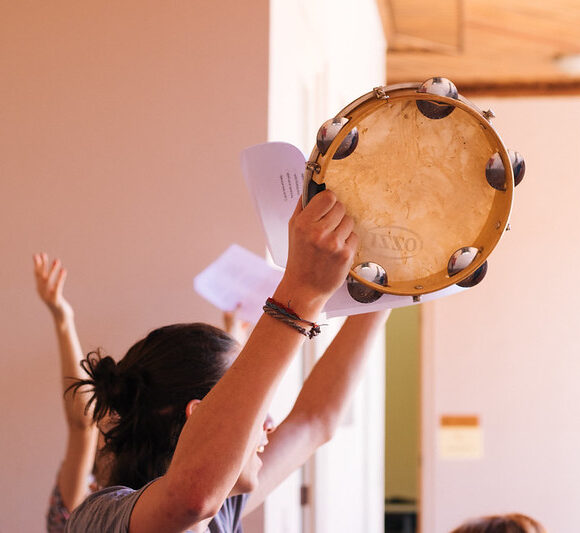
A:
[(518, 166), (370, 272), (475, 278), (461, 259), (329, 130), (439, 86), (495, 172)]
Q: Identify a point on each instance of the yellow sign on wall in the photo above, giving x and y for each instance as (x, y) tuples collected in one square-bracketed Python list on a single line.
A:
[(460, 437)]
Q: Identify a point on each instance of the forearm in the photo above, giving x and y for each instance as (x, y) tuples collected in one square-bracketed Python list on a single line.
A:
[(71, 355), (320, 404), (74, 474), (331, 383), (226, 427), (233, 413), (73, 479)]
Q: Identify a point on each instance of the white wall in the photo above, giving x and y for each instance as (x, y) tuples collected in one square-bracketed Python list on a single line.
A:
[(324, 54), (507, 350), (121, 129), (122, 124)]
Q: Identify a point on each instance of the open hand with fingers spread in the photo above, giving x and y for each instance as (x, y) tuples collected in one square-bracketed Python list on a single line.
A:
[(50, 283)]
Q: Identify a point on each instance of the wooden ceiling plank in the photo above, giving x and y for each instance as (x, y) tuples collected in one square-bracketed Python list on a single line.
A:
[(533, 35), (439, 22), (509, 44)]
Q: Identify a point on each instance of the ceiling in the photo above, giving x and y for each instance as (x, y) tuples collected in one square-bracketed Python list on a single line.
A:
[(485, 46)]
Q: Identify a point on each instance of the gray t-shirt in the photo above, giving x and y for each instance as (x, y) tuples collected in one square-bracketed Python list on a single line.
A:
[(109, 511)]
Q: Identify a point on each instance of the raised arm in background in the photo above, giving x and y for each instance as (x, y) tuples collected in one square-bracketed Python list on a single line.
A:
[(321, 403), (235, 326), (74, 475)]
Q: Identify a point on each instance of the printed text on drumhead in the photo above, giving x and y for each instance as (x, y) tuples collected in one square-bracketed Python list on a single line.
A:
[(393, 241)]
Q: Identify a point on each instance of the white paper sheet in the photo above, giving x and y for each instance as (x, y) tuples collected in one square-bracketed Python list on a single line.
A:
[(238, 277), (274, 174), (342, 304)]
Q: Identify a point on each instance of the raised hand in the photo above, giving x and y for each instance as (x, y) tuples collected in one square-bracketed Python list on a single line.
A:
[(321, 246), (235, 326), (50, 283)]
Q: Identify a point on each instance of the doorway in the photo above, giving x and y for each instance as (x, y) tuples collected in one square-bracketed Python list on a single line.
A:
[(402, 420)]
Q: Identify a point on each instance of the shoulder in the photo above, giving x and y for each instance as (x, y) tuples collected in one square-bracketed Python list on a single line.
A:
[(110, 510), (106, 510), (229, 516)]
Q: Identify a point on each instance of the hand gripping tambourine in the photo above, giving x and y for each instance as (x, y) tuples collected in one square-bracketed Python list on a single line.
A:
[(427, 181)]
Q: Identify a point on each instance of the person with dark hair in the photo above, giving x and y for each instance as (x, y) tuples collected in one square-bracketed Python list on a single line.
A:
[(190, 438), (148, 391), (507, 523), (74, 478), (83, 468)]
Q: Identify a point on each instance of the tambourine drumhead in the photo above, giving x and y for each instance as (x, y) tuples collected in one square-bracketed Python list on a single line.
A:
[(416, 187)]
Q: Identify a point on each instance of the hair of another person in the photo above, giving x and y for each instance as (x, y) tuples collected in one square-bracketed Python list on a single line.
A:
[(507, 523), (141, 400)]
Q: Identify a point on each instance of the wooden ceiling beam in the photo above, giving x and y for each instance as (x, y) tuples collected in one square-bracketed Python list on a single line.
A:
[(507, 46)]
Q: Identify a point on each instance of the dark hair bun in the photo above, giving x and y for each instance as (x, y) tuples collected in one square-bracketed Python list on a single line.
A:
[(106, 381), (115, 390)]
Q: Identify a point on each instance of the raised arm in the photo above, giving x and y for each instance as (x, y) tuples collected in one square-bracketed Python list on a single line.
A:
[(235, 326), (74, 475), (225, 428), (321, 403)]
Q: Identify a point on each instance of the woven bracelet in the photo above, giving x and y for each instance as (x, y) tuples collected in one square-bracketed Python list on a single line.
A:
[(289, 317)]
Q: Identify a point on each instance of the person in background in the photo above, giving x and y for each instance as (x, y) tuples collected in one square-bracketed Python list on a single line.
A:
[(239, 329), (507, 523), (193, 447), (76, 476), (74, 479)]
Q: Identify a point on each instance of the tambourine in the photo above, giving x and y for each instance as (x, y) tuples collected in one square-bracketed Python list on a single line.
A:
[(427, 180)]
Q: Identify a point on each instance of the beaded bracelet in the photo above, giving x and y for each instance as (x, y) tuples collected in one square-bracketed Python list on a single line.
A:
[(286, 315)]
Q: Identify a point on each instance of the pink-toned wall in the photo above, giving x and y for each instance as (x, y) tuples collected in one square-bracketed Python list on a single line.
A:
[(121, 127), (507, 350)]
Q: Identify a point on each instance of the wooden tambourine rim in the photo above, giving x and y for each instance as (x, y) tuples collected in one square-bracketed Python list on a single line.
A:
[(355, 112)]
